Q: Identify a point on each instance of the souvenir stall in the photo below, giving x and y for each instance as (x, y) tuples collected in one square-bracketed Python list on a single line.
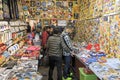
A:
[(49, 12), (97, 27), (18, 60), (18, 56), (98, 39)]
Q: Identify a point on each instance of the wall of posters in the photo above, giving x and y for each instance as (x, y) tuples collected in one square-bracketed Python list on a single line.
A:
[(101, 25), (51, 9)]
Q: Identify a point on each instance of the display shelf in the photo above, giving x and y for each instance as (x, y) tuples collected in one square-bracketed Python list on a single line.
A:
[(104, 68), (5, 61), (7, 41), (19, 31), (10, 45), (4, 31), (18, 49), (10, 57), (17, 41), (3, 51)]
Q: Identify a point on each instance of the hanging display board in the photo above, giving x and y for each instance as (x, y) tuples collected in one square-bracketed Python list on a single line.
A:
[(6, 13), (62, 23), (51, 9)]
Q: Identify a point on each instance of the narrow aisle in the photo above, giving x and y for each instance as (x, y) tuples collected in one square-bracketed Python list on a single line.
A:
[(44, 71)]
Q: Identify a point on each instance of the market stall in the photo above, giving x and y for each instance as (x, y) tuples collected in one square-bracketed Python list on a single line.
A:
[(97, 64)]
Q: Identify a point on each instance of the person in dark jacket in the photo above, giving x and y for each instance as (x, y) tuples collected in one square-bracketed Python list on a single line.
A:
[(54, 50), (28, 28)]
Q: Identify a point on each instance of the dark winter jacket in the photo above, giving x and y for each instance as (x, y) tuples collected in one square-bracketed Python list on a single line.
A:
[(54, 46)]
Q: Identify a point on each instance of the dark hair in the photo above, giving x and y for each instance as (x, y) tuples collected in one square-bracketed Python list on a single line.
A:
[(27, 23), (60, 29), (56, 30), (52, 26), (46, 27)]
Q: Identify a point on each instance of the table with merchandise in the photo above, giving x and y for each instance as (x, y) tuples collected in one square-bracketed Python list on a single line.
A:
[(22, 65), (104, 68)]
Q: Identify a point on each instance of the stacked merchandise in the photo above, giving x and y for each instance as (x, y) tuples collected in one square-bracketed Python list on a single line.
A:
[(103, 30), (100, 26), (23, 64), (55, 9), (23, 69), (17, 61), (5, 37), (26, 69), (95, 59), (108, 70), (91, 54)]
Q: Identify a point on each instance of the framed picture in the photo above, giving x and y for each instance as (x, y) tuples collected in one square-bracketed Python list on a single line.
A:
[(25, 7), (27, 2), (70, 4), (43, 4), (32, 3), (39, 8), (76, 15), (37, 13), (46, 22), (38, 3), (54, 22), (58, 4)]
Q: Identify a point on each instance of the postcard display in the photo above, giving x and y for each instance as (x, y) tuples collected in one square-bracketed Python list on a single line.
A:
[(13, 53), (11, 38), (99, 22), (102, 26), (50, 11)]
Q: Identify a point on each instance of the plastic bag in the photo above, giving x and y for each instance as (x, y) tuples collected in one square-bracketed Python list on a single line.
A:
[(37, 37)]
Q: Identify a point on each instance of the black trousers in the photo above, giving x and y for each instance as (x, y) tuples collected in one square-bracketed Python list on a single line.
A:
[(55, 61)]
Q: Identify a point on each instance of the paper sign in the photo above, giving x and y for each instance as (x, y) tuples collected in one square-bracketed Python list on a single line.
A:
[(62, 23)]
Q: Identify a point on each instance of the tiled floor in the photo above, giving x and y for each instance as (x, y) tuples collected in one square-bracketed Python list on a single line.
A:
[(44, 71)]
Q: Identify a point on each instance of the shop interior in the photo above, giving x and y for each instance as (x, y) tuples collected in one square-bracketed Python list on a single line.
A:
[(96, 34)]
